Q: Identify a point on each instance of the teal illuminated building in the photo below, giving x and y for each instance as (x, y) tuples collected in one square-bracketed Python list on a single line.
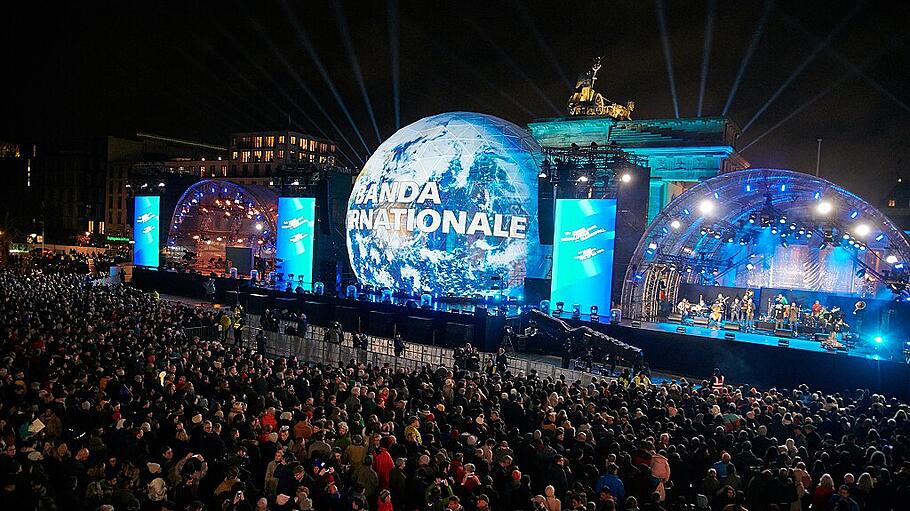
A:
[(680, 152)]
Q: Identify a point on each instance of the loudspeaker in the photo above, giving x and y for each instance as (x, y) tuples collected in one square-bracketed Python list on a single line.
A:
[(783, 343), (732, 326), (348, 317), (536, 290), (821, 337), (381, 324), (700, 321), (674, 317), (457, 334), (545, 212), (729, 336), (783, 332), (767, 326), (680, 329), (418, 329), (636, 323)]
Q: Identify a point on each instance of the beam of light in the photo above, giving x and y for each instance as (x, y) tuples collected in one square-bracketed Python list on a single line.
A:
[(314, 56), (395, 59), (668, 57), (706, 52), (850, 74), (849, 65), (547, 51), (805, 63), (355, 65), (269, 76), (303, 86), (747, 58), (511, 62), (469, 69)]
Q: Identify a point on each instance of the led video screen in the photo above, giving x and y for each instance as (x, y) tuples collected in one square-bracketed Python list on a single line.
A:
[(146, 230), (583, 245), (296, 228)]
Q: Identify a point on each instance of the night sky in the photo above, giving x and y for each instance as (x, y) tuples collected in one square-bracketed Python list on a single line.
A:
[(200, 71)]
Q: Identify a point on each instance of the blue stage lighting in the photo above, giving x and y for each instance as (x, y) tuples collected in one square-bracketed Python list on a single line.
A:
[(846, 236), (686, 211), (783, 188), (854, 214), (750, 266), (716, 195), (878, 339), (880, 237), (350, 292), (899, 266), (748, 188), (817, 195)]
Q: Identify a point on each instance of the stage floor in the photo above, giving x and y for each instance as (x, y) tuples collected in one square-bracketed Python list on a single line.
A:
[(864, 349)]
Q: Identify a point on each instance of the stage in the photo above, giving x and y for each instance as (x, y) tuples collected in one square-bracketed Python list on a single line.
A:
[(865, 348)]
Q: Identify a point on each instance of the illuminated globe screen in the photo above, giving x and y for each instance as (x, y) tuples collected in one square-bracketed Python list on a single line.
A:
[(447, 205)]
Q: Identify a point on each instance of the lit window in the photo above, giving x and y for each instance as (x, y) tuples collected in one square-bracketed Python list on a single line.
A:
[(892, 203), (270, 141), (234, 155), (332, 148), (293, 139), (280, 139), (303, 143), (322, 147), (281, 154), (257, 155), (268, 155), (312, 145), (257, 142), (224, 170), (245, 157)]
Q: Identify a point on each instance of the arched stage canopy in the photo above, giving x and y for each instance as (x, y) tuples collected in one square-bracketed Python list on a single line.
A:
[(214, 214), (766, 228)]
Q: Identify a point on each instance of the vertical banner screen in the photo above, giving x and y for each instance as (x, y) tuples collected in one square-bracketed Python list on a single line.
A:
[(296, 228), (146, 225), (584, 235)]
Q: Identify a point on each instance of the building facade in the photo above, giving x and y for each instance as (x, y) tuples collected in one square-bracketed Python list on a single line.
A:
[(255, 157), (680, 152)]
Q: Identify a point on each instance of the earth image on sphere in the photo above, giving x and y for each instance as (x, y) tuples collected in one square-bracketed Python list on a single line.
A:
[(459, 194)]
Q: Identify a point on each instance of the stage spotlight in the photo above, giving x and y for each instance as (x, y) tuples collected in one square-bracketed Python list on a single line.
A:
[(784, 243), (258, 227), (576, 311), (878, 339), (350, 292), (706, 206), (675, 224), (559, 309), (860, 273), (846, 236), (542, 175), (583, 179), (626, 178), (783, 220), (824, 207), (891, 259), (862, 230), (750, 266), (688, 269), (854, 214), (880, 237), (595, 317)]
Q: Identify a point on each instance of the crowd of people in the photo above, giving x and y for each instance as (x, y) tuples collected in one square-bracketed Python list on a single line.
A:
[(108, 404)]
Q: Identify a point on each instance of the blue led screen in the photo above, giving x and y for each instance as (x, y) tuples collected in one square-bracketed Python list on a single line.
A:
[(146, 225), (583, 245), (448, 205), (296, 228)]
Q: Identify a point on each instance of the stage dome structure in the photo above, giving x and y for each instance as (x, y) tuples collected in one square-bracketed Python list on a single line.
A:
[(766, 228), (213, 215)]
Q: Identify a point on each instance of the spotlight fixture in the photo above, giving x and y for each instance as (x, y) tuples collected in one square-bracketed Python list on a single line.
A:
[(583, 179), (862, 230), (258, 227), (750, 266), (891, 259), (675, 224), (706, 206), (559, 308), (626, 178), (824, 207), (595, 317)]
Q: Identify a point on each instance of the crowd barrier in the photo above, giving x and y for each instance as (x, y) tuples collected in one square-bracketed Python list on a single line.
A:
[(311, 347)]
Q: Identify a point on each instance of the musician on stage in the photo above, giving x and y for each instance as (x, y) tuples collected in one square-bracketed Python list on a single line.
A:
[(780, 315), (735, 310), (781, 299), (749, 312), (817, 308), (683, 308), (793, 316), (717, 314)]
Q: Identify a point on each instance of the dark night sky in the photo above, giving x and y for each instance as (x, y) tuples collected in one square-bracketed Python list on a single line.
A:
[(200, 71)]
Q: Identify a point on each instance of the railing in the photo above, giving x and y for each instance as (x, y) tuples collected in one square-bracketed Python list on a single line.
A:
[(206, 333), (311, 347)]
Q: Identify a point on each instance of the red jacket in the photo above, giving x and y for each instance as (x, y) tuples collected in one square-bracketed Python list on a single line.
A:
[(383, 465)]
